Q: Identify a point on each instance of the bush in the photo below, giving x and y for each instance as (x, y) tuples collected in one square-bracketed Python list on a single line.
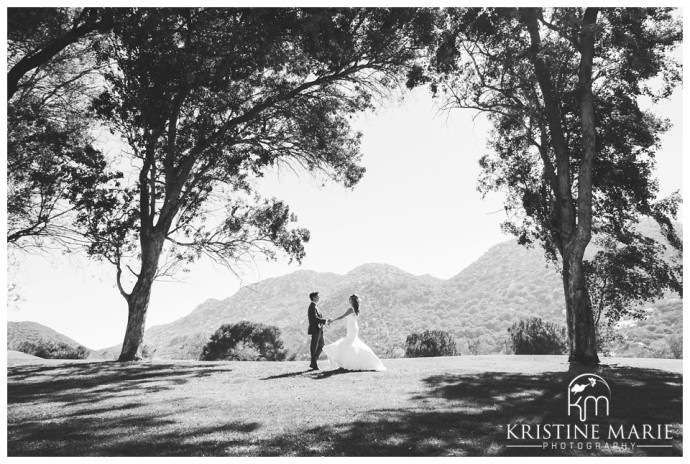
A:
[(47, 349), (657, 349), (473, 347), (147, 353), (606, 337), (395, 352), (430, 343), (534, 336), (245, 341), (675, 345)]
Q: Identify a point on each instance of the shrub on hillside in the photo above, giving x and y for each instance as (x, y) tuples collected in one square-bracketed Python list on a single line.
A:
[(48, 349), (430, 343), (395, 352), (245, 341), (473, 347), (657, 349), (675, 345), (147, 352), (606, 338), (534, 336)]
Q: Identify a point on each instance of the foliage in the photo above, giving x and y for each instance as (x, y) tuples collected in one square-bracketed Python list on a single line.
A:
[(51, 159), (534, 336), (147, 352), (430, 343), (52, 349), (675, 346), (245, 341), (607, 335), (485, 65), (622, 277), (663, 320), (38, 37), (473, 347), (394, 352)]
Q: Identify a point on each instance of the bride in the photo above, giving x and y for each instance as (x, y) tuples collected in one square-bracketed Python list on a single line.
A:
[(350, 352)]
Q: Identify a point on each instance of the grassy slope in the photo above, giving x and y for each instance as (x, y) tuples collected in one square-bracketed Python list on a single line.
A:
[(436, 407), (17, 357)]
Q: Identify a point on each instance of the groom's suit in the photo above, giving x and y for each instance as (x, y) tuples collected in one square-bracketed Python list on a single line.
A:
[(316, 322)]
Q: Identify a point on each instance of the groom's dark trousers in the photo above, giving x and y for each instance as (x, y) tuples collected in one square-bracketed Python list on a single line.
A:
[(316, 322), (316, 346)]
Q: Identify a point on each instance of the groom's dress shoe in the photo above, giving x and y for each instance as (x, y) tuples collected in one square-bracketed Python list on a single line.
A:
[(315, 368)]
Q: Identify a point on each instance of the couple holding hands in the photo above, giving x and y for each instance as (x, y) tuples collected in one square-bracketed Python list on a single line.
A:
[(349, 352)]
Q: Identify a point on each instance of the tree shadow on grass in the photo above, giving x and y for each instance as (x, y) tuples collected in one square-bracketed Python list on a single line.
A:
[(330, 373), (78, 383), (101, 409), (452, 415), (130, 436), (288, 375), (468, 414), (318, 374)]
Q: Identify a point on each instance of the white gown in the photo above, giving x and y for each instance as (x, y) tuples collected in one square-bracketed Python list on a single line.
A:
[(351, 353)]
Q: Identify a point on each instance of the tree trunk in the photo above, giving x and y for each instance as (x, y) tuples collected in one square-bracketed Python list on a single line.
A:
[(581, 329), (575, 224), (138, 300), (583, 340), (134, 334)]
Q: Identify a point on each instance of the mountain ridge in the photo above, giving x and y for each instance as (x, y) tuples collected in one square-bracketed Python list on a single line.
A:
[(507, 283), (504, 285)]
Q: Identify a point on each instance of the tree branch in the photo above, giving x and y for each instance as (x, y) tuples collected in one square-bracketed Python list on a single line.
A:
[(41, 56)]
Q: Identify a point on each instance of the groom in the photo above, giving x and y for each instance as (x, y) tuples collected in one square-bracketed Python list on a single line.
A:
[(316, 323)]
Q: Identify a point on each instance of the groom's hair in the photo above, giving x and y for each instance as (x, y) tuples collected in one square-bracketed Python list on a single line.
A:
[(313, 295)]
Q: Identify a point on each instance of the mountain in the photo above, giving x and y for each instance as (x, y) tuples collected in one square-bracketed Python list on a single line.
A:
[(283, 302), (506, 284), (19, 334)]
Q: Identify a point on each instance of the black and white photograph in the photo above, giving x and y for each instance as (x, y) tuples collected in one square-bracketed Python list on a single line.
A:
[(347, 231)]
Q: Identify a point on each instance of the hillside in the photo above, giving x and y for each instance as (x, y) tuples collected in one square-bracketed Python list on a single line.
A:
[(18, 332), (506, 284), (21, 333)]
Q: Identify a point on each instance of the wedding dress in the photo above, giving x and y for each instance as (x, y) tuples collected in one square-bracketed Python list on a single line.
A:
[(351, 353)]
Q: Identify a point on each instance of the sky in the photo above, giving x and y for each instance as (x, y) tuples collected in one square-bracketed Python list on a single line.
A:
[(416, 208)]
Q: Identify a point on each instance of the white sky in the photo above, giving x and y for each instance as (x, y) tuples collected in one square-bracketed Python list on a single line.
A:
[(417, 208)]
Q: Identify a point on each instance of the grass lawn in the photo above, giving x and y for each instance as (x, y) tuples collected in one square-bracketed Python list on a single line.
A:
[(457, 406)]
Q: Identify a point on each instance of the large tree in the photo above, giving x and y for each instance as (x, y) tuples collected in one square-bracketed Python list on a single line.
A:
[(206, 99), (570, 146)]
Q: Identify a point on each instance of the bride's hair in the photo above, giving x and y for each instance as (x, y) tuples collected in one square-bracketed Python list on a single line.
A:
[(354, 299)]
